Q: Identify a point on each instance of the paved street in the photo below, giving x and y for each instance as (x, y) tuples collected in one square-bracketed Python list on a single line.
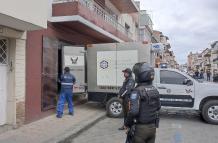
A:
[(174, 128)]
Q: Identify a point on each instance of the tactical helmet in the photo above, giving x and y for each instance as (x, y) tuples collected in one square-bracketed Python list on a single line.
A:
[(143, 72), (67, 69)]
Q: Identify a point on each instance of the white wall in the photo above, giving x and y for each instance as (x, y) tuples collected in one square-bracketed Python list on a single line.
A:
[(24, 14), (20, 69), (11, 100)]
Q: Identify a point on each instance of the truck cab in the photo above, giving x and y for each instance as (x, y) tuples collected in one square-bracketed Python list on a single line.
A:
[(177, 89)]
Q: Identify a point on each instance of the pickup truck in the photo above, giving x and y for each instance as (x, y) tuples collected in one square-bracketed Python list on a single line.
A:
[(98, 69), (180, 91)]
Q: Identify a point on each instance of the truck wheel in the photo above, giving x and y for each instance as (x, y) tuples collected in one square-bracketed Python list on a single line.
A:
[(114, 108), (210, 112)]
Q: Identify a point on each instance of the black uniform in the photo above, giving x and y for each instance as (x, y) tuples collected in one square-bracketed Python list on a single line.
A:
[(128, 85), (144, 106)]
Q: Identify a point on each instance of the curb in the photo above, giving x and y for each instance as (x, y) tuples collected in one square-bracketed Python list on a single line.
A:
[(75, 131)]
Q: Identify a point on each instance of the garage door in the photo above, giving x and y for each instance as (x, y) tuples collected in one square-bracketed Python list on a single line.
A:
[(3, 77)]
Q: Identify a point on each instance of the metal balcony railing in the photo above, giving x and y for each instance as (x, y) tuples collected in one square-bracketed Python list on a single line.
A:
[(98, 10), (215, 60)]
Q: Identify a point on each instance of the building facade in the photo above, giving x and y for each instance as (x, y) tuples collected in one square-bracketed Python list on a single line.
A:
[(148, 35), (74, 23), (206, 60), (15, 20), (146, 27), (165, 58), (146, 31), (214, 58)]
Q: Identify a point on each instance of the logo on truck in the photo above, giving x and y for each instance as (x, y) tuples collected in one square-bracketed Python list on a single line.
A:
[(188, 91), (74, 60), (104, 64)]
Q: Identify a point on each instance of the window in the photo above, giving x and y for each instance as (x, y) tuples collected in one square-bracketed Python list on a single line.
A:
[(127, 27), (170, 77), (3, 51)]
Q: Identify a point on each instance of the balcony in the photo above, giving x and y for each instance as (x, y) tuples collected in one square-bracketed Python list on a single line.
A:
[(215, 61), (207, 54), (207, 63), (125, 6), (168, 46), (89, 18), (214, 51), (214, 47)]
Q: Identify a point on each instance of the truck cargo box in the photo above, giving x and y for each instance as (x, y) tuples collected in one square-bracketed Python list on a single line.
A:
[(105, 63)]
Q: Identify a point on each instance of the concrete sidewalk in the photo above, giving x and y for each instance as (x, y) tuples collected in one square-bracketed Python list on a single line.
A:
[(53, 130)]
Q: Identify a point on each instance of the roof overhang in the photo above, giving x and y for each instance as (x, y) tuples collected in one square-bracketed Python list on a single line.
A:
[(17, 24)]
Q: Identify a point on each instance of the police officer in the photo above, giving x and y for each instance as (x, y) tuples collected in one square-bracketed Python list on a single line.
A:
[(144, 105), (67, 81), (128, 85)]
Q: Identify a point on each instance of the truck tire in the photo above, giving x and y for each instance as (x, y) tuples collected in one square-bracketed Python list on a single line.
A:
[(114, 108), (210, 112)]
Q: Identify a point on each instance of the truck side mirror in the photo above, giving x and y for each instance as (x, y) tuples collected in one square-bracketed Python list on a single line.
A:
[(188, 82)]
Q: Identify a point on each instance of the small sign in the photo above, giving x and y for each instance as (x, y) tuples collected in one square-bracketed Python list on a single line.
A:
[(157, 47)]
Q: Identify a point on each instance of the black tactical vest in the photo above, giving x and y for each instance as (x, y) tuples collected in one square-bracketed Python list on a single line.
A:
[(149, 105)]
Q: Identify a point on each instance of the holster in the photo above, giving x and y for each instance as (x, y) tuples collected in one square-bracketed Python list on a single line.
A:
[(157, 121), (130, 134)]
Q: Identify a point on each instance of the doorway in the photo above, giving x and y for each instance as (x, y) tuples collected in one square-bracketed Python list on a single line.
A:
[(4, 78)]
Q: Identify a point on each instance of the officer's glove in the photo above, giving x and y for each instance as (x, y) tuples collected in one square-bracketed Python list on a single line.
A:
[(121, 96)]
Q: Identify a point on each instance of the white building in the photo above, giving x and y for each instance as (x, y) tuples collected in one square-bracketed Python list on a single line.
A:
[(15, 19), (214, 58), (145, 27)]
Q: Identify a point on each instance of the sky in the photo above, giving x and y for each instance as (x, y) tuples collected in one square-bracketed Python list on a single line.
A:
[(191, 25)]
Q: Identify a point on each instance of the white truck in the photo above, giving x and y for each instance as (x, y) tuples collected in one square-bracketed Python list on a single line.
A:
[(103, 77), (177, 89)]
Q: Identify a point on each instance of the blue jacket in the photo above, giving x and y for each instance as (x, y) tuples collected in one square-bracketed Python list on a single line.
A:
[(67, 80)]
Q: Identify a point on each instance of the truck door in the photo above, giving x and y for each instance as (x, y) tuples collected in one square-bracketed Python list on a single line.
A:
[(74, 58), (174, 91)]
